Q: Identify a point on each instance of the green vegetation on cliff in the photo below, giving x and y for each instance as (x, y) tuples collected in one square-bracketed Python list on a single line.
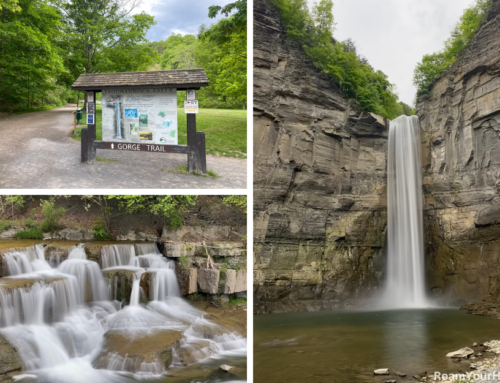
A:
[(433, 65), (339, 60)]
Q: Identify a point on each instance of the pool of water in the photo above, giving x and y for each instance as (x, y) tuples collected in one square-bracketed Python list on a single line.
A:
[(348, 346)]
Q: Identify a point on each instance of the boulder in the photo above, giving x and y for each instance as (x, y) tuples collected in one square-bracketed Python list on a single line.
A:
[(150, 347), (226, 367), (381, 371), (9, 233), (188, 279), (462, 353), (120, 282), (10, 360), (208, 280)]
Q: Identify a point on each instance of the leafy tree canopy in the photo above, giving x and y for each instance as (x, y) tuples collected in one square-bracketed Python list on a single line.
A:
[(434, 65), (232, 24), (339, 60)]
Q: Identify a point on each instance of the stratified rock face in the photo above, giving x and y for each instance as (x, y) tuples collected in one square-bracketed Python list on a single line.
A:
[(319, 181), (460, 122)]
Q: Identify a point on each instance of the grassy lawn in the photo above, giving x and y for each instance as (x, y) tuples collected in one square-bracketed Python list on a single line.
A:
[(225, 130), (98, 117)]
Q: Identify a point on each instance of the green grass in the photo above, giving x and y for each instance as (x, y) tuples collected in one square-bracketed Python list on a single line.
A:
[(184, 170), (105, 159), (237, 301), (98, 117), (29, 234), (225, 130)]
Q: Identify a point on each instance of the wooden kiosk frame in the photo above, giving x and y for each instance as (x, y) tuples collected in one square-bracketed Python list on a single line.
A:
[(184, 79)]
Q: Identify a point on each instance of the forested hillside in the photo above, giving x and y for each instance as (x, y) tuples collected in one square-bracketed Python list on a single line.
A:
[(46, 45), (340, 60)]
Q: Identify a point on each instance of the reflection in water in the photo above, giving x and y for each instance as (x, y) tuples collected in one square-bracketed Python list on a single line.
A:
[(405, 334), (349, 346)]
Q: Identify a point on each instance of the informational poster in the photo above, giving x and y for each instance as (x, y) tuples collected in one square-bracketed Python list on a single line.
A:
[(146, 116), (90, 119)]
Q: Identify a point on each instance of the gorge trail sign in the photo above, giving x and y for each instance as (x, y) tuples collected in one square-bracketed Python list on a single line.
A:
[(139, 113)]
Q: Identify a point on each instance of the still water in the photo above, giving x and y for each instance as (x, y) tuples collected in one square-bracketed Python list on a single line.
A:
[(347, 346)]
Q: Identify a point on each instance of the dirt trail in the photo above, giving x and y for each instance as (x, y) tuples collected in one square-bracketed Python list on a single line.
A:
[(36, 152)]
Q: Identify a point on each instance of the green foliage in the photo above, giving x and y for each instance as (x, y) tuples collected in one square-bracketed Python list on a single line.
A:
[(5, 224), (30, 223), (232, 24), (433, 65), (221, 51), (184, 261), (100, 232), (407, 109), (166, 206), (223, 270), (239, 201), (179, 52), (29, 234), (355, 77), (234, 301), (51, 215), (11, 5), (30, 62), (9, 204), (240, 266)]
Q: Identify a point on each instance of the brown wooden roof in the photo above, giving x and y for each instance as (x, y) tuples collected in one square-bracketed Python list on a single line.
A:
[(180, 79)]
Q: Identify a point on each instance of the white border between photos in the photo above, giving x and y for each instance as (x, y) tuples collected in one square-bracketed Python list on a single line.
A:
[(248, 191)]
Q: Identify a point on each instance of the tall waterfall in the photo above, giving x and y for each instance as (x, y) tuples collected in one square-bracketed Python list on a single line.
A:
[(58, 314), (405, 266)]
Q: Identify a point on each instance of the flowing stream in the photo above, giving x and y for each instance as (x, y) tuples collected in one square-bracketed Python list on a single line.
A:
[(60, 314), (405, 286)]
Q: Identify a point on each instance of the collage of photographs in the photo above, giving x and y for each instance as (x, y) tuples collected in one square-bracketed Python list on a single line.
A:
[(346, 230)]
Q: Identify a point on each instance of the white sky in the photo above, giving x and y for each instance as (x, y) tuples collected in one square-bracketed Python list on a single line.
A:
[(177, 16), (394, 34)]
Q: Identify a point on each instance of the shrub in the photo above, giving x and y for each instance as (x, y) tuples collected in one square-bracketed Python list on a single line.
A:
[(100, 232), (51, 216), (29, 234)]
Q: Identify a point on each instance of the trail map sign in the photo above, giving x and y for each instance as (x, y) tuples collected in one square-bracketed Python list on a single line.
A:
[(144, 116), (139, 113)]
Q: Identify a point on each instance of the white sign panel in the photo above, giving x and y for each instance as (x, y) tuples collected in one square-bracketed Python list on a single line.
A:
[(191, 95), (90, 96), (191, 107), (140, 115)]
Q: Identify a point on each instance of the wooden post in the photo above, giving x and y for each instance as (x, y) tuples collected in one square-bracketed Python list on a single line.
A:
[(191, 141), (74, 122), (91, 138), (85, 145), (197, 159), (202, 157)]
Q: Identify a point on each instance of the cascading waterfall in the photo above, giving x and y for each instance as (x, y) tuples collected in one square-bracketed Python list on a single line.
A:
[(57, 317), (405, 286)]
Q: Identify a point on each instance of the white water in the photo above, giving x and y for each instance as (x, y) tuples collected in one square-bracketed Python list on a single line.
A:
[(58, 317), (405, 286)]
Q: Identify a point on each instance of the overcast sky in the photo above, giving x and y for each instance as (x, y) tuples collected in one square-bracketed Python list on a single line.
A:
[(394, 34), (177, 16)]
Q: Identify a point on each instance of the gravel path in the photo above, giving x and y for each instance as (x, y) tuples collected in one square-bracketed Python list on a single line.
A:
[(36, 152)]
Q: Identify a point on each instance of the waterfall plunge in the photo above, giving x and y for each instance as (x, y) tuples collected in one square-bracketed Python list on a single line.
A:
[(405, 264)]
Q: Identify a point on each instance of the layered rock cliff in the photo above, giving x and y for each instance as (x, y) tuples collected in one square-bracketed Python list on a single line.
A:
[(319, 181), (460, 121)]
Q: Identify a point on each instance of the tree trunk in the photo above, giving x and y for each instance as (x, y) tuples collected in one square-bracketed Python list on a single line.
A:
[(244, 106)]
